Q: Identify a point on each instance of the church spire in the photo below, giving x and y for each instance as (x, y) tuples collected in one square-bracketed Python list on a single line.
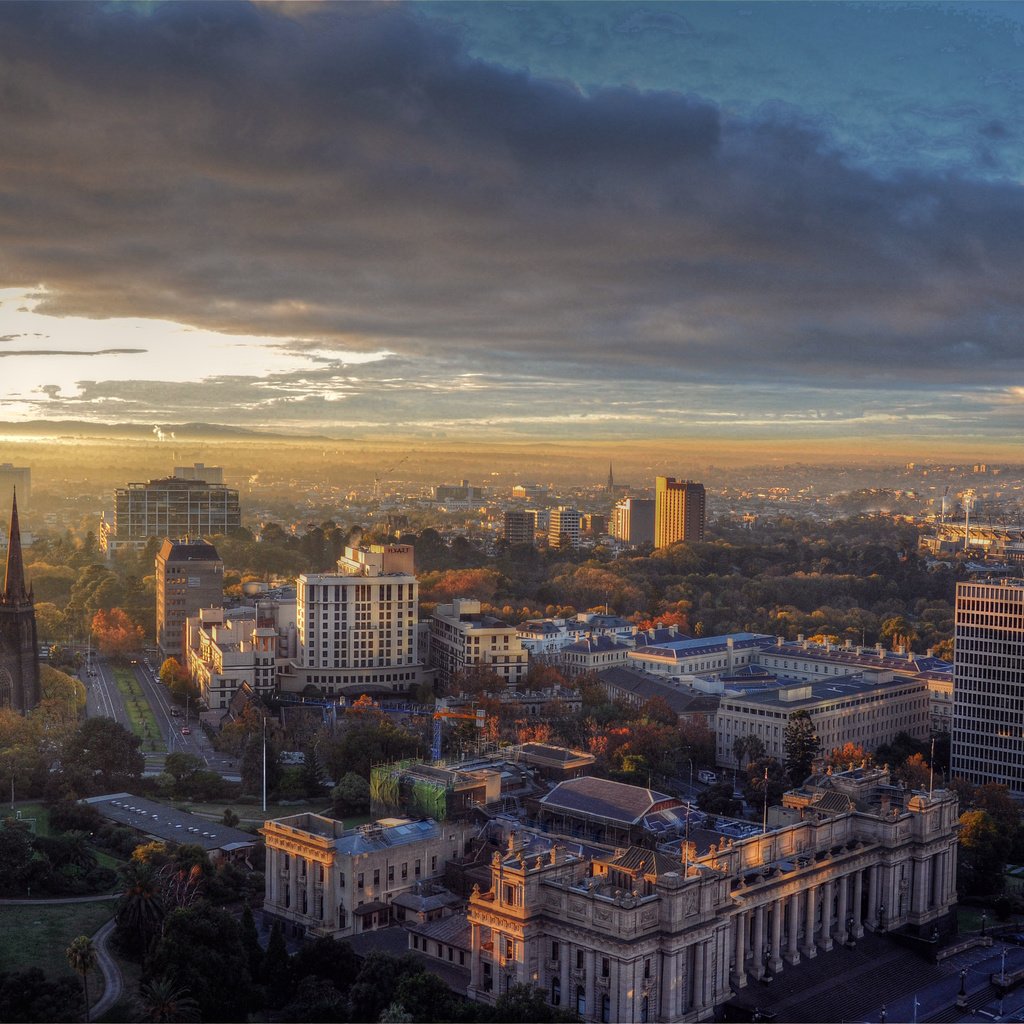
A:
[(14, 582), (611, 479)]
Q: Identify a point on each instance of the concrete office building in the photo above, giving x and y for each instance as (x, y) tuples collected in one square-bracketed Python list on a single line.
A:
[(633, 521), (679, 511), (988, 684), (462, 636), (564, 527), (519, 526), (172, 507), (200, 471), (357, 627), (189, 576)]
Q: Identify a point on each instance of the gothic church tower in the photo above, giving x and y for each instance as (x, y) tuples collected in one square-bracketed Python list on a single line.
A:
[(19, 651)]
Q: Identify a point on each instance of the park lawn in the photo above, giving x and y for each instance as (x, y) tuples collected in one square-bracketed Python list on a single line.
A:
[(38, 936), (253, 813), (40, 813), (140, 714)]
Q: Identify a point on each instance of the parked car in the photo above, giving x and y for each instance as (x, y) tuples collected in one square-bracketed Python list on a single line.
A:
[(186, 731)]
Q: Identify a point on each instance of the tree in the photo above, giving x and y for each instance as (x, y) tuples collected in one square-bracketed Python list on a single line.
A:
[(201, 948), (425, 997), (351, 796), (718, 799), (316, 1001), (140, 909), (161, 1001), (376, 982), (801, 746), (251, 942), (102, 756), (30, 995), (327, 958), (849, 755), (116, 634), (914, 773), (176, 678), (764, 773), (82, 959), (276, 969), (983, 849), (312, 774), (525, 1004), (747, 748)]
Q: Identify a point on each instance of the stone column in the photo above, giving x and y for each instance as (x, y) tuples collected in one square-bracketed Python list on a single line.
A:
[(775, 963), (858, 901), (590, 985), (793, 930), (699, 971), (273, 881), (758, 951), (810, 950), (681, 979), (873, 900), (825, 938), (740, 974), (474, 956), (563, 977), (293, 885), (841, 912)]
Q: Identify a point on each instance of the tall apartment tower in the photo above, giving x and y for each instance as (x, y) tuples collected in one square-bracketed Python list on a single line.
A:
[(564, 527), (988, 684), (633, 521), (189, 576), (19, 653), (357, 627), (678, 511), (520, 526)]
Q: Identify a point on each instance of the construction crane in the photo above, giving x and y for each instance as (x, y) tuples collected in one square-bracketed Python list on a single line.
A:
[(969, 497), (479, 716), (376, 479)]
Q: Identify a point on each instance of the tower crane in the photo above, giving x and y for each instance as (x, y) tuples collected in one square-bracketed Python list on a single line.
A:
[(376, 479), (479, 716)]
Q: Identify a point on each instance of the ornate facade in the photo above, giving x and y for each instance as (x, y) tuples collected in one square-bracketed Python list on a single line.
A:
[(647, 935), (19, 650)]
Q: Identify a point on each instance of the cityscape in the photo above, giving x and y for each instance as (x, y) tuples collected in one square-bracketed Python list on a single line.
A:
[(511, 512)]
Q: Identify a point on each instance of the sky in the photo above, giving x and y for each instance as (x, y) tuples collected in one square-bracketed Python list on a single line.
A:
[(526, 220)]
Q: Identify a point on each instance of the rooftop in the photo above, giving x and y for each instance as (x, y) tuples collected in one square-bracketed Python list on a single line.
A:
[(615, 801)]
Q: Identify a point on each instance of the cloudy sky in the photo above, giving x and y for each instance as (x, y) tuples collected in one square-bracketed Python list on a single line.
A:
[(728, 219)]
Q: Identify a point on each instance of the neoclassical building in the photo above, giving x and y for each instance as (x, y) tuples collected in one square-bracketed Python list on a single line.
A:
[(668, 934)]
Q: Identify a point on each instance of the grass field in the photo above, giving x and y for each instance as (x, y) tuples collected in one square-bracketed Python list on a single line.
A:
[(140, 714), (36, 813), (39, 936)]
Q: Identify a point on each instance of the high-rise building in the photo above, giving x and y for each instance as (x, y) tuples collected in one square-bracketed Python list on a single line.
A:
[(678, 511), (564, 527), (988, 684), (463, 636), (19, 652), (633, 521), (357, 627), (15, 478), (520, 526), (172, 507), (189, 576)]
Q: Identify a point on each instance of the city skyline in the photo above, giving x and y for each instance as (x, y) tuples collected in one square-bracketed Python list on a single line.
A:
[(713, 221)]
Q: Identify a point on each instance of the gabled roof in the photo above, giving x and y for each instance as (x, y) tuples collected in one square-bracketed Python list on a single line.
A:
[(648, 862), (602, 798)]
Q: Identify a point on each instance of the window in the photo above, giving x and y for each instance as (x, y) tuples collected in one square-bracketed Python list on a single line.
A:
[(579, 959), (644, 1010), (556, 991), (405, 870), (359, 880), (647, 968), (376, 876), (554, 950), (606, 1008), (418, 868), (604, 967), (510, 949), (581, 1001), (391, 873), (433, 864), (341, 880)]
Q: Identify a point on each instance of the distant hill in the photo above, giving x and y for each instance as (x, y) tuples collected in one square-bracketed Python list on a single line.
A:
[(181, 431)]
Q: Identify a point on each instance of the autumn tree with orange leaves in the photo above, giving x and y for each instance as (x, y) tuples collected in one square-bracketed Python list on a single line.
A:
[(116, 634)]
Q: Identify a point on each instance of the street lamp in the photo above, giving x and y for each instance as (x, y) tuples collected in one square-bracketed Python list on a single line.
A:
[(984, 920), (882, 1017), (963, 983)]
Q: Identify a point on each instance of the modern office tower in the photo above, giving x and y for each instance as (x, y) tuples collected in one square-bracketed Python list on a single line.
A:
[(520, 526), (357, 627), (564, 527), (462, 636), (171, 507), (633, 521), (15, 478), (463, 491), (189, 576), (988, 684), (200, 471), (19, 652), (678, 511)]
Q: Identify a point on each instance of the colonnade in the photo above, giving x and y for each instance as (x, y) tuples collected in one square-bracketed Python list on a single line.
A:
[(300, 889)]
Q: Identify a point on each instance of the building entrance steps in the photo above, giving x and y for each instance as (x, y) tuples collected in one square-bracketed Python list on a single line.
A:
[(844, 984)]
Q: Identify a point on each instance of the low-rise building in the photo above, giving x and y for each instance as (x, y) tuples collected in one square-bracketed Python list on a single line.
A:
[(324, 879), (592, 654), (691, 656)]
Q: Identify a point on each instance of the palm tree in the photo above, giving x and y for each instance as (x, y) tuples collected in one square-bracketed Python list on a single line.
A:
[(140, 911), (82, 957), (163, 1002)]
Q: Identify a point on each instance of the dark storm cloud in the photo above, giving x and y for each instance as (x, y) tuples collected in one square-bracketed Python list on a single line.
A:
[(347, 177)]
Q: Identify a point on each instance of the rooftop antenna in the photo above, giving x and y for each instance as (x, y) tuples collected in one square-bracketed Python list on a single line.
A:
[(931, 770)]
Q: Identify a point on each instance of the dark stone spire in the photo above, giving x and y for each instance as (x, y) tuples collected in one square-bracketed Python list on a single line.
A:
[(14, 582)]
